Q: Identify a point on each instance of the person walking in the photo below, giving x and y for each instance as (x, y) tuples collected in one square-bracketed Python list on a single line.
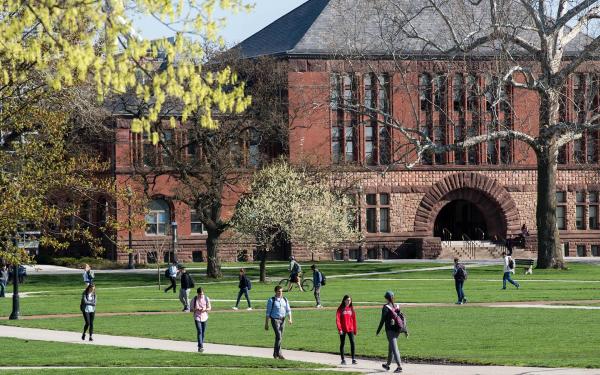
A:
[(3, 280), (295, 270), (88, 275), (317, 283), (390, 316), (88, 308), (509, 267), (245, 285), (345, 319), (200, 308), (459, 272), (172, 271), (278, 308), (187, 283)]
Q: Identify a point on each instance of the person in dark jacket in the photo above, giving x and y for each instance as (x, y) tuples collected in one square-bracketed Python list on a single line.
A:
[(244, 286), (459, 272), (392, 331), (88, 308), (3, 279), (317, 283), (187, 283)]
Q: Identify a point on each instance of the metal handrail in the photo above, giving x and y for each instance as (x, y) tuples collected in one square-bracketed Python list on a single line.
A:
[(470, 245), (447, 232), (482, 233)]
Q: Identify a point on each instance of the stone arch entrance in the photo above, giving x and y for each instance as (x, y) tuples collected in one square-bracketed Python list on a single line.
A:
[(482, 201)]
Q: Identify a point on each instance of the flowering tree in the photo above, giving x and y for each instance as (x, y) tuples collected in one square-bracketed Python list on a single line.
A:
[(293, 205)]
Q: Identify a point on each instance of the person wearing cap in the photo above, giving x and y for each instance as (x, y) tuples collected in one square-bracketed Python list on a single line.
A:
[(295, 270), (392, 331)]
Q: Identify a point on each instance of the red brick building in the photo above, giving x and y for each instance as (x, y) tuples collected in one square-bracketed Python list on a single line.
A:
[(482, 194)]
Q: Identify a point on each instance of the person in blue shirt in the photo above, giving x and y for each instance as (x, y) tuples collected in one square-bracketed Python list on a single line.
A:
[(278, 308)]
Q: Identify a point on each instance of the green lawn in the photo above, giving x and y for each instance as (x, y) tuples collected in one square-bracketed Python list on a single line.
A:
[(483, 335), (507, 336), (174, 371)]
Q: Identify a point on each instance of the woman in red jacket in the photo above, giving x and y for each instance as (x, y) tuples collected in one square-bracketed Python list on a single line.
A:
[(346, 325)]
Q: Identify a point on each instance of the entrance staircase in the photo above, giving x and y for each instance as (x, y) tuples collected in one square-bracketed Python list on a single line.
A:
[(474, 249)]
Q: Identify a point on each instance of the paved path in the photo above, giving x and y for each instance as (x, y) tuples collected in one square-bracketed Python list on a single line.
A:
[(365, 366)]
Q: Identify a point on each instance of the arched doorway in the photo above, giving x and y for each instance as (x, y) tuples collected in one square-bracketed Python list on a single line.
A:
[(460, 217)]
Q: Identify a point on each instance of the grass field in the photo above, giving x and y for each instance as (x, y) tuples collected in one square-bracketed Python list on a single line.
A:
[(463, 334)]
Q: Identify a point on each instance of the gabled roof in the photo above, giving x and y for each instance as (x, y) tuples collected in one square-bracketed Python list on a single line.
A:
[(282, 36), (372, 28)]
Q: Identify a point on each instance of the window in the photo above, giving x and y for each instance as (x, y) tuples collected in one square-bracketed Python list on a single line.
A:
[(169, 147), (157, 217), (595, 250), (195, 223), (383, 93), (593, 210), (458, 93), (370, 144), (149, 151), (381, 207), (473, 94), (591, 148), (580, 250), (580, 217), (343, 130), (439, 92), (425, 91), (561, 209)]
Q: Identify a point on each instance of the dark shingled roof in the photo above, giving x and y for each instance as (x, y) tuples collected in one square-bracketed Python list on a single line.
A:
[(371, 28), (282, 36)]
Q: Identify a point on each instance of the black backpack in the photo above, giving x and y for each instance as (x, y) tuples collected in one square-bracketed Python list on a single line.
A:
[(248, 283), (167, 273), (323, 278), (511, 264)]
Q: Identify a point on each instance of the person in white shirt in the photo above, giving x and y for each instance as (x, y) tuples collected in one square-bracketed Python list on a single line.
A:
[(172, 270), (508, 262)]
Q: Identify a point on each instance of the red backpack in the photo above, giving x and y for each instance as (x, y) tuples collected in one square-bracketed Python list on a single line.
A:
[(398, 319)]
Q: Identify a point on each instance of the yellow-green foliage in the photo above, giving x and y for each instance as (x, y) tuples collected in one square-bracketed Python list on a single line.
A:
[(69, 41)]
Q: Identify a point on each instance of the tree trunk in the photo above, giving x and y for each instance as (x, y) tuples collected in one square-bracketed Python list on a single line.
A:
[(263, 266), (549, 249), (213, 263)]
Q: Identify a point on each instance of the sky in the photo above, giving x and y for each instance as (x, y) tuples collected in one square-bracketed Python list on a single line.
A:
[(238, 27)]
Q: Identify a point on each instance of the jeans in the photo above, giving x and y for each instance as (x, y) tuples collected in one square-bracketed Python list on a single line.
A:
[(243, 291), (173, 284), (459, 289), (393, 351), (184, 297), (343, 342), (88, 317), (317, 294), (507, 278), (200, 330), (2, 288), (278, 326)]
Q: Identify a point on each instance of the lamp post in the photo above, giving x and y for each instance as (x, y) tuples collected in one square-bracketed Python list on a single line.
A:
[(359, 190), (14, 315), (130, 263), (174, 240)]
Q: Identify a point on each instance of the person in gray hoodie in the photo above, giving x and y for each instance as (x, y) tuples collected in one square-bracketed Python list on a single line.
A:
[(3, 279)]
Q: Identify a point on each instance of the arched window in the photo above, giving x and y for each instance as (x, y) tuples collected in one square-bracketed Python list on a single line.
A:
[(157, 217)]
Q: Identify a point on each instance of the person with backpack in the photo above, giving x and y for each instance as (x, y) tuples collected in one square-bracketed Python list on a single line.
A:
[(171, 274), (345, 319), (88, 275), (395, 323), (459, 272), (200, 308), (187, 283), (245, 285), (88, 308), (509, 267), (318, 282), (295, 270), (278, 307)]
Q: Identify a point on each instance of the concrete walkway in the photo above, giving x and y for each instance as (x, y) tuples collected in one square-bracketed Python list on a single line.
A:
[(364, 366)]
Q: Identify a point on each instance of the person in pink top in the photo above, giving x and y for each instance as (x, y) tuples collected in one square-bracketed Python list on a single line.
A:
[(200, 308), (345, 319)]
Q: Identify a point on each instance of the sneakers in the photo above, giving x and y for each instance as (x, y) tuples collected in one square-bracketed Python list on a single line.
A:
[(386, 367), (234, 308), (354, 362), (343, 362), (249, 309), (319, 306), (464, 301), (280, 356), (398, 370), (91, 339), (458, 303), (200, 349), (83, 337)]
